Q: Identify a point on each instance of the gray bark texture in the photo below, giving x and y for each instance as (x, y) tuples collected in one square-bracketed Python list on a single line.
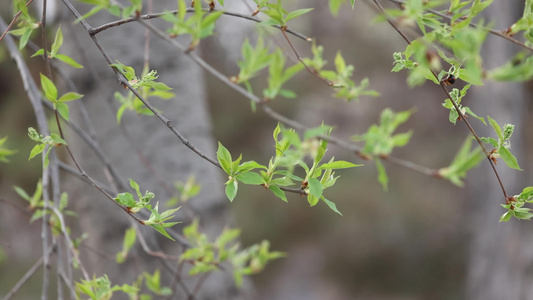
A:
[(501, 254), (102, 220)]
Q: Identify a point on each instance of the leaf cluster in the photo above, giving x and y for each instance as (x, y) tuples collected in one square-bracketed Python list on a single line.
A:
[(457, 97), (207, 256), (159, 221), (36, 206), (380, 139), (465, 159), (502, 144), (60, 104), (146, 85), (279, 174), (185, 190), (341, 78), (277, 14), (26, 24), (53, 140), (198, 25), (515, 206), (99, 288), (254, 60), (54, 52)]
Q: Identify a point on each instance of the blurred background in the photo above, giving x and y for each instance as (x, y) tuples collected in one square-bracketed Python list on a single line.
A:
[(423, 239)]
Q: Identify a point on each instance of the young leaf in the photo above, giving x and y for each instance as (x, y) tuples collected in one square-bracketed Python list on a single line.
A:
[(331, 205), (315, 187), (69, 97), (37, 149), (509, 158), (224, 158), (382, 175), (62, 108), (297, 13), (50, 90), (250, 178), (496, 127), (278, 192), (231, 189), (340, 164), (125, 199)]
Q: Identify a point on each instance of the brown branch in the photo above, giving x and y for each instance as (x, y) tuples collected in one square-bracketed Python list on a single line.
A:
[(312, 71), (149, 251)]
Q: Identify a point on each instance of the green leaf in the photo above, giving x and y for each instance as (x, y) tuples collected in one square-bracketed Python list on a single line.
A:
[(297, 13), (382, 175), (321, 151), (334, 6), (526, 195), (506, 216), (39, 52), (25, 38), (68, 60), (331, 205), (353, 3), (62, 108), (278, 192), (50, 90), (496, 127), (312, 200), (22, 193), (125, 199), (249, 165), (161, 230), (509, 158), (224, 158), (315, 187), (231, 189), (69, 97), (250, 178), (340, 164), (57, 42), (38, 149), (401, 139)]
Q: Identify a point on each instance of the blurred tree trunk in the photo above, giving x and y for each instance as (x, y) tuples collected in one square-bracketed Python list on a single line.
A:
[(103, 221), (500, 254)]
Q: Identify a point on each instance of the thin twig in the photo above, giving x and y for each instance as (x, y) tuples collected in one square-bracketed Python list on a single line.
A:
[(103, 27), (150, 252), (28, 274), (198, 285), (70, 244), (312, 71), (180, 239)]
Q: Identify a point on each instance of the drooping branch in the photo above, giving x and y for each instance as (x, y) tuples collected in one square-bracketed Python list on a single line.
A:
[(462, 116)]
